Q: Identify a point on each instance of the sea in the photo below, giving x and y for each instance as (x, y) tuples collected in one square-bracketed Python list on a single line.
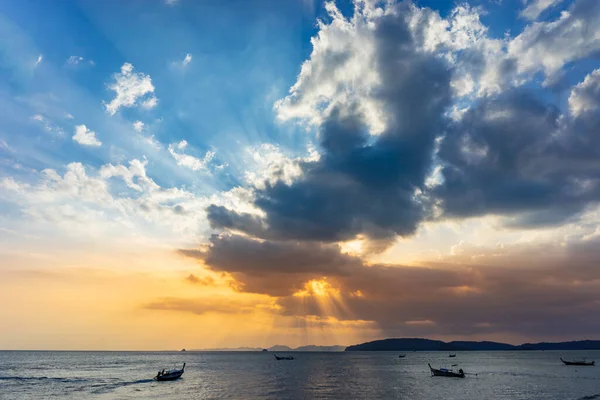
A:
[(257, 375)]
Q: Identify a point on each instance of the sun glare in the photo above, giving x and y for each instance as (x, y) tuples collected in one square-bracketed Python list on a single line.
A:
[(319, 288)]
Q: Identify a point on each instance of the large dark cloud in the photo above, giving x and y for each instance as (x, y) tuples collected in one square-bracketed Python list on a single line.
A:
[(515, 154), (274, 268), (447, 298), (359, 187), (512, 154)]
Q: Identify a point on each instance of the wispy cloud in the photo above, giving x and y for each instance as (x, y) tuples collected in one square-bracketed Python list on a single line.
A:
[(191, 162), (74, 60), (49, 125), (187, 59), (4, 146), (536, 7)]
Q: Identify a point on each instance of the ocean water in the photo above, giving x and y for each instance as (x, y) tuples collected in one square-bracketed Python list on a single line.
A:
[(353, 375)]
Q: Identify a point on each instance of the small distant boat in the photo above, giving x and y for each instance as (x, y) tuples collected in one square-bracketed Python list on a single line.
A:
[(446, 372), (265, 350), (182, 349), (402, 356), (283, 358), (582, 362), (169, 375), (451, 355)]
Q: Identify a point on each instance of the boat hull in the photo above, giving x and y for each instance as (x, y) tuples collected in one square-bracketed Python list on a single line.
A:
[(170, 377), (579, 363), (446, 373)]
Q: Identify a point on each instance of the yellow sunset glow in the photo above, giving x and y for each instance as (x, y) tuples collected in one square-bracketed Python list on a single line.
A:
[(319, 288)]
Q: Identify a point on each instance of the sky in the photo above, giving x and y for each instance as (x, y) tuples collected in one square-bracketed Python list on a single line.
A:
[(200, 174)]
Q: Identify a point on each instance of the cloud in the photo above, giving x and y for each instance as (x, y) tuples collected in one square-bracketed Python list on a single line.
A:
[(507, 152), (536, 7), (138, 126), (78, 60), (514, 154), (49, 125), (131, 87), (266, 262), (367, 180), (272, 165), (171, 2), (220, 304), (5, 147), (85, 136), (187, 59), (150, 103), (74, 60), (113, 201), (206, 281), (505, 290), (548, 46), (586, 95), (39, 60), (185, 160), (483, 65), (418, 119), (151, 140)]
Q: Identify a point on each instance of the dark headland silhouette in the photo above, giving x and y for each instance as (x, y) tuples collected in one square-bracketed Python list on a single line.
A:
[(438, 345), (420, 344)]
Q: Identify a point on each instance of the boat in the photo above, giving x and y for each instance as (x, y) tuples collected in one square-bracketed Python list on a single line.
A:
[(446, 372), (183, 350), (582, 362), (451, 355), (402, 356), (283, 358), (169, 375)]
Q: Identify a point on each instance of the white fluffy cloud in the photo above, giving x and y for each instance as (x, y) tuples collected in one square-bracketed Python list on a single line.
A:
[(342, 65), (191, 162), (535, 7), (549, 46), (586, 95), (138, 126), (269, 164), (150, 103), (85, 136), (130, 88), (85, 201)]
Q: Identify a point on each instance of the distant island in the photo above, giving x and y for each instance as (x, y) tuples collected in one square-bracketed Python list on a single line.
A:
[(418, 344), (280, 348)]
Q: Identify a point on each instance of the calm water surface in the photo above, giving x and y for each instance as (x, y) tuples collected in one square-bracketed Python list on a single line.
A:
[(363, 375)]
